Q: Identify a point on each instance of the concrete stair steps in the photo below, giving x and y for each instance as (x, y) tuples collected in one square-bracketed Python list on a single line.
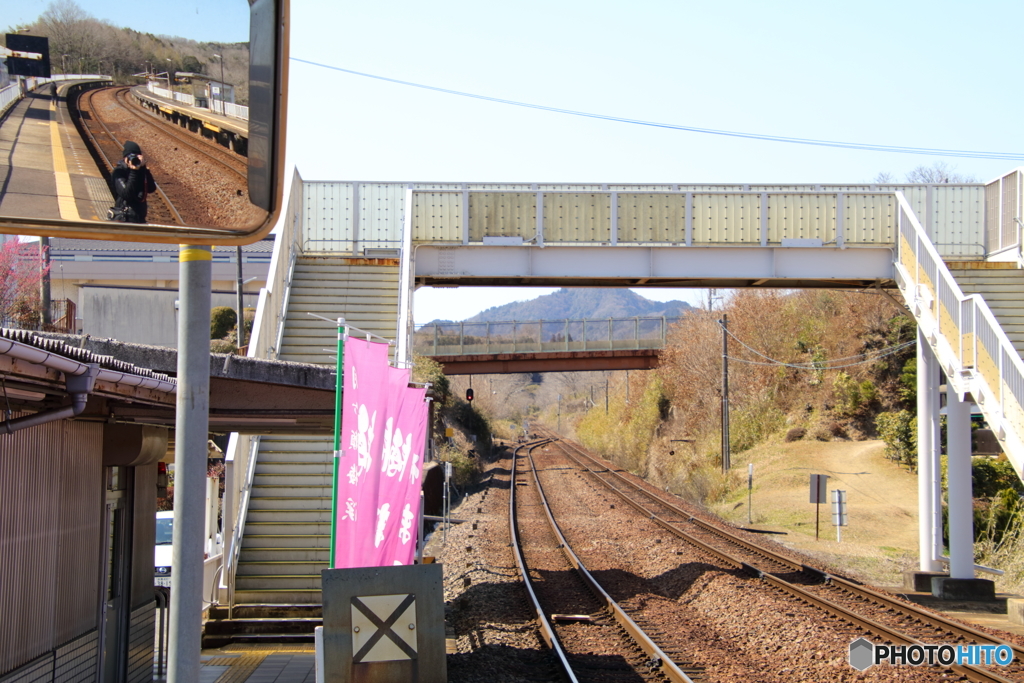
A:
[(263, 625), (287, 535), (281, 527), (381, 275), (293, 596), (271, 469), (283, 502), (278, 567), (292, 490), (277, 583), (308, 515), (288, 479), (298, 446), (267, 611), (256, 540), (275, 554)]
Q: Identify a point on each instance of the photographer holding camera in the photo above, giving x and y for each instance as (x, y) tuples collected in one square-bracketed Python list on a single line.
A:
[(132, 183)]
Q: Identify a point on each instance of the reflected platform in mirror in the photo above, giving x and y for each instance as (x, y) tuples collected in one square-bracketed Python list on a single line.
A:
[(154, 130)]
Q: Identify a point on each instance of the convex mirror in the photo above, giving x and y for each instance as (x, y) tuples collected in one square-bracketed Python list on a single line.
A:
[(205, 110)]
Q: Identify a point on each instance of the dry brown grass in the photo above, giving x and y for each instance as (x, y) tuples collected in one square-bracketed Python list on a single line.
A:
[(881, 540)]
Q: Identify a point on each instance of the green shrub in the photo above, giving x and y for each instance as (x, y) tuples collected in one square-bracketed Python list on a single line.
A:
[(222, 346), (852, 396), (464, 468), (899, 432), (991, 477), (429, 371), (222, 321)]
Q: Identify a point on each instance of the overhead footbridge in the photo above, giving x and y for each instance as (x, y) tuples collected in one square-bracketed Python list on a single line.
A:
[(357, 250)]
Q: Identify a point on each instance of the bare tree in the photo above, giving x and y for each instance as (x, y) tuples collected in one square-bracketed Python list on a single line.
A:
[(938, 172)]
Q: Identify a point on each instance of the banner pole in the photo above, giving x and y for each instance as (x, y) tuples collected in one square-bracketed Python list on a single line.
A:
[(339, 385)]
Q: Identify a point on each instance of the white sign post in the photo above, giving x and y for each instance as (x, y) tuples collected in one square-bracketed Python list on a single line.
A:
[(839, 519)]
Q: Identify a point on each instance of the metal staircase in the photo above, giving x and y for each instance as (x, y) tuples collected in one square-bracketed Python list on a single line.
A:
[(286, 539), (1001, 285)]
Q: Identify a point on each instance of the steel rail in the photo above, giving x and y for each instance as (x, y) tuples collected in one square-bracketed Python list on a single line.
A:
[(839, 582), (547, 632), (969, 671), (664, 663), (110, 164)]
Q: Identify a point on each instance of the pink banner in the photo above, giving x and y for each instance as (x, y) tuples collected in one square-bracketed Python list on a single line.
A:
[(362, 430), (400, 479), (382, 440)]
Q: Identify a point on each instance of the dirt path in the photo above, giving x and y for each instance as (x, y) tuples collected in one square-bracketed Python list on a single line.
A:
[(881, 539)]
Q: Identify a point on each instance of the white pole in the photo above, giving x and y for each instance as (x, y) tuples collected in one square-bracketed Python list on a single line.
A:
[(961, 521), (927, 466)]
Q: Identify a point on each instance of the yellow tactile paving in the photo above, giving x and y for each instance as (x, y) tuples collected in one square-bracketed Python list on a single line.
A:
[(241, 666), (65, 195)]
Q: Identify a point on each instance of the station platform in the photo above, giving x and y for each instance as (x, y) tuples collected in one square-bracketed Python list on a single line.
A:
[(259, 664), (210, 120), (46, 170)]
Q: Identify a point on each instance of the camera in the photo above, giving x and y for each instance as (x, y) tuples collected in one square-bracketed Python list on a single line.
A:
[(134, 160)]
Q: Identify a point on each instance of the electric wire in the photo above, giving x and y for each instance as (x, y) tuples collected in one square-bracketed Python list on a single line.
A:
[(869, 357), (895, 149)]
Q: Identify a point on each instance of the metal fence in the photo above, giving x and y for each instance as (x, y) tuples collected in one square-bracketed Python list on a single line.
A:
[(541, 336)]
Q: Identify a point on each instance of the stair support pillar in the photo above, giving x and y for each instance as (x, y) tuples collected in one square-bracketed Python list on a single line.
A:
[(929, 473), (958, 476)]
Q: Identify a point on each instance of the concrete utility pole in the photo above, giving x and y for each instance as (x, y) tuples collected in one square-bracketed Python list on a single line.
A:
[(191, 430), (726, 464)]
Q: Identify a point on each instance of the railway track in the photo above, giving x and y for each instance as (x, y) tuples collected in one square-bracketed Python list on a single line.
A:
[(888, 618), (107, 149), (591, 636), (201, 183)]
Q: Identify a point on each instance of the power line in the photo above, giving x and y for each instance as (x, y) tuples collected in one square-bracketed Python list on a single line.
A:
[(815, 365), (927, 151)]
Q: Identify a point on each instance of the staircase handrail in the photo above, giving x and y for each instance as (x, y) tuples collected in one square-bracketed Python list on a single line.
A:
[(972, 347), (235, 549)]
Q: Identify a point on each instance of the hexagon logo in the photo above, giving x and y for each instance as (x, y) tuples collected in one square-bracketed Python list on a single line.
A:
[(862, 654)]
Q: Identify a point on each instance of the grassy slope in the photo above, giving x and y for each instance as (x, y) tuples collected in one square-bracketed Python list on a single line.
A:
[(881, 539)]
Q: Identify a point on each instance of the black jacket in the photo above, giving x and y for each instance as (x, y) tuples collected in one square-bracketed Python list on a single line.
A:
[(131, 186)]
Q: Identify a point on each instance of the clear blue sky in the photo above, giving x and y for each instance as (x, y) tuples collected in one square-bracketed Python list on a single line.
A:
[(921, 74)]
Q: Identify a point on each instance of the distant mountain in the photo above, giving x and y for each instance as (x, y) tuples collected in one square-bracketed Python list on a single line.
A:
[(575, 305), (579, 303)]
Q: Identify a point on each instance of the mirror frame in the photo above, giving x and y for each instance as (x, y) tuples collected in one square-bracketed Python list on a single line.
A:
[(171, 234)]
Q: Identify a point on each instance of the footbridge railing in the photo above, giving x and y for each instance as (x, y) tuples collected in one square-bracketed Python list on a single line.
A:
[(541, 336), (975, 353)]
